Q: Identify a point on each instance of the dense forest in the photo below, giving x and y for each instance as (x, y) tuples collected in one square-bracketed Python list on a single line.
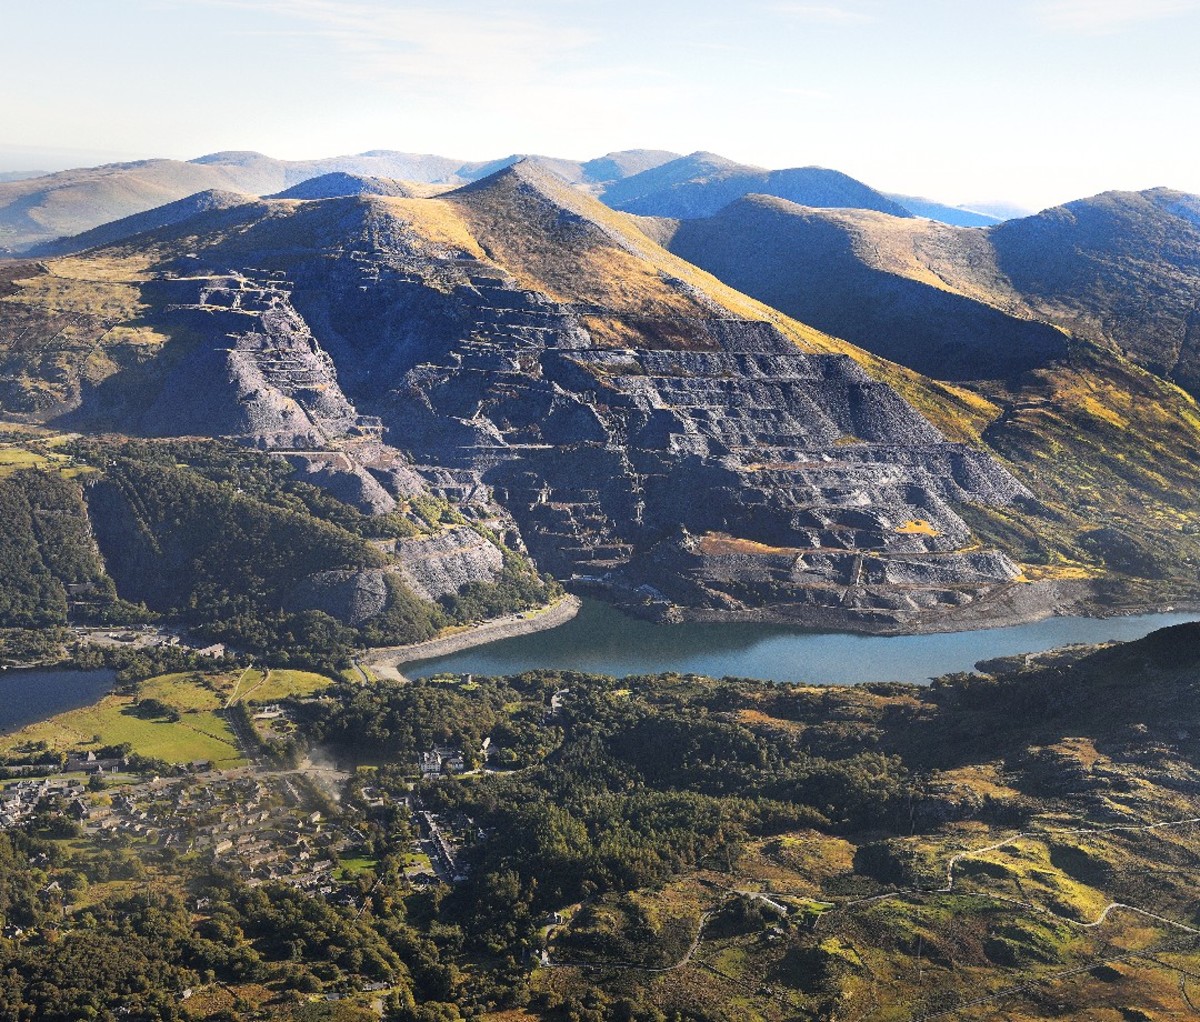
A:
[(47, 554), (220, 539)]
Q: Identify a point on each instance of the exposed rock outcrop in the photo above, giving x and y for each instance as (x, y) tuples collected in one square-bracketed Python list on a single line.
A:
[(441, 565), (352, 597)]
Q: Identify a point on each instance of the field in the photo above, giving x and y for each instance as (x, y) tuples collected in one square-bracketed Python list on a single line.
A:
[(198, 734), (266, 687), (23, 448)]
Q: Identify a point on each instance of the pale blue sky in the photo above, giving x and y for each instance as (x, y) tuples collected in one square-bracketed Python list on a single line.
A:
[(1038, 101)]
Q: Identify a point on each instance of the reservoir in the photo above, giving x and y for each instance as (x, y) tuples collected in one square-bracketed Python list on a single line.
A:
[(31, 695), (602, 640)]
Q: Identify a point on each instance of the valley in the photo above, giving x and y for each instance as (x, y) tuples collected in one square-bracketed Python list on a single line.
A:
[(396, 514)]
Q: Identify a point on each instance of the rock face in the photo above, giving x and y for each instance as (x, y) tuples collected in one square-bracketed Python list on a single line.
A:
[(249, 367), (353, 597), (613, 461), (441, 565), (710, 463), (649, 431)]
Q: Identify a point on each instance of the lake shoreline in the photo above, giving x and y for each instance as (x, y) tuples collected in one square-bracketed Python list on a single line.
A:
[(1028, 604), (386, 661), (602, 640)]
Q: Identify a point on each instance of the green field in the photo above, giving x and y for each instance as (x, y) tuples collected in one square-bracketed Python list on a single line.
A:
[(279, 684), (359, 864), (199, 734), (186, 691), (38, 454)]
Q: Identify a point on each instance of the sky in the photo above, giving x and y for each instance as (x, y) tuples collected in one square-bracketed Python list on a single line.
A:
[(1030, 101)]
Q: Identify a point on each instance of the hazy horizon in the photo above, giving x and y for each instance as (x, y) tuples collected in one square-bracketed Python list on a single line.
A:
[(1036, 104)]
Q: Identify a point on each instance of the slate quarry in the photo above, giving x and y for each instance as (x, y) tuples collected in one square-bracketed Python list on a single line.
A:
[(645, 435)]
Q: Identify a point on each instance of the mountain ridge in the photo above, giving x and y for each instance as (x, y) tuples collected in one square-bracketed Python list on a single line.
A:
[(41, 209), (520, 338)]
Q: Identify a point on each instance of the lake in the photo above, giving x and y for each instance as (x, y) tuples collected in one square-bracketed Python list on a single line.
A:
[(602, 640), (31, 695)]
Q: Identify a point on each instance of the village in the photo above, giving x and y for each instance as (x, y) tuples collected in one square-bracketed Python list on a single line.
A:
[(271, 825)]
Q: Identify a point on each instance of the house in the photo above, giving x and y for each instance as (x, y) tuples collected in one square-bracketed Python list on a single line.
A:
[(441, 759), (272, 711)]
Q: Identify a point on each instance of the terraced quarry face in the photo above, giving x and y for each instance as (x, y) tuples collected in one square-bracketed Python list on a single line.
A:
[(633, 414), (517, 337)]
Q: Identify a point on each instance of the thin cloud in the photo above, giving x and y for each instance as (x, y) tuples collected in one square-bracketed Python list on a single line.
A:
[(1102, 16), (823, 14), (425, 46)]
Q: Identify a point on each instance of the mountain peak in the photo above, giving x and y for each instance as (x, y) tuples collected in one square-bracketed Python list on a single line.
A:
[(339, 184), (230, 157)]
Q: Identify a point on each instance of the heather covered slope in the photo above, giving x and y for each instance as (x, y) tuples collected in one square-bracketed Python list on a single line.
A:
[(645, 426)]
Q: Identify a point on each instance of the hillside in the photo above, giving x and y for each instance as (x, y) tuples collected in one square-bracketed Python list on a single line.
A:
[(1122, 267), (338, 183), (917, 292), (649, 430), (161, 216), (957, 216)]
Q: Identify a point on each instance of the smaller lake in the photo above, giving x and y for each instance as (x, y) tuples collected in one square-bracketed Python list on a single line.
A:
[(602, 640), (31, 695)]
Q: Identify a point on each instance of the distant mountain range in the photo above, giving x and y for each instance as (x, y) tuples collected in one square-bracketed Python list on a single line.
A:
[(38, 209)]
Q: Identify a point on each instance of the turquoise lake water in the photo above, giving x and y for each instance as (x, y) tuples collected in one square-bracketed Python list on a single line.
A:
[(602, 640)]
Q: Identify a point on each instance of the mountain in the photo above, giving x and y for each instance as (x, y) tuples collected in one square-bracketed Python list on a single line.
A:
[(1122, 267), (41, 209), (876, 280), (338, 183), (957, 216), (644, 428), (1077, 323), (161, 216), (649, 430), (701, 184), (1000, 209), (591, 175)]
